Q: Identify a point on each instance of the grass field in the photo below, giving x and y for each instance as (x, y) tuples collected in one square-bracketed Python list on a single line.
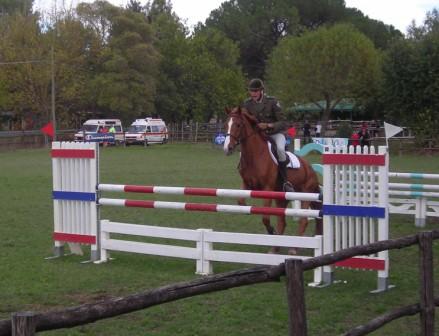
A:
[(29, 282)]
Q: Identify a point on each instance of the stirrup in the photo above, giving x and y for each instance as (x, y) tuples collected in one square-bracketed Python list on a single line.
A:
[(288, 187)]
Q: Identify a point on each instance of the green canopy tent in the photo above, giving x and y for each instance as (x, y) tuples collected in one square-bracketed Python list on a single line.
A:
[(343, 110)]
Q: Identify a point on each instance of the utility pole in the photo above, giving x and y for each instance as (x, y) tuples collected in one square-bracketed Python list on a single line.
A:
[(52, 67)]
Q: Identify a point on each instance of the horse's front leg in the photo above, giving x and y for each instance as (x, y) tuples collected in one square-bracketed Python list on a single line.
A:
[(241, 201), (266, 218), (281, 223)]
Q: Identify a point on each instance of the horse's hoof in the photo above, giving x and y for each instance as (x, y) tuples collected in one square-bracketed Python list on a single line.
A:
[(274, 250), (292, 251)]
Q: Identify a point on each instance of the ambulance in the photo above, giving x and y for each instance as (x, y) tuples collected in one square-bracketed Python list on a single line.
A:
[(147, 131), (92, 129)]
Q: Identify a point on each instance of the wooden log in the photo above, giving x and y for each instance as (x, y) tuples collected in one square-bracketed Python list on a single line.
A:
[(88, 313), (296, 298), (23, 324), (385, 318), (426, 283), (368, 249)]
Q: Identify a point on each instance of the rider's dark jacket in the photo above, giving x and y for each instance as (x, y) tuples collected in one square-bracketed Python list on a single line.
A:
[(267, 110)]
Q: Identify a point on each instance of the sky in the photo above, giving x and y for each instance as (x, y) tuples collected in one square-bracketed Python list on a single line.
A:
[(398, 13)]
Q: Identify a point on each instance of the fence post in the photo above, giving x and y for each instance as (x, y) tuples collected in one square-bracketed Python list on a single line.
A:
[(23, 324), (296, 298), (426, 283), (196, 132)]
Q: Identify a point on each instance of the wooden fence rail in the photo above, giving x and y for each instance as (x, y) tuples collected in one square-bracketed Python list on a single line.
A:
[(88, 313)]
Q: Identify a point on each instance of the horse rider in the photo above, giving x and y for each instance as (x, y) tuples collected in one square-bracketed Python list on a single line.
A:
[(272, 121)]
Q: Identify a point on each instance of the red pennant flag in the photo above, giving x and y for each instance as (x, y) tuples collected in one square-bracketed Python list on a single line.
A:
[(48, 129)]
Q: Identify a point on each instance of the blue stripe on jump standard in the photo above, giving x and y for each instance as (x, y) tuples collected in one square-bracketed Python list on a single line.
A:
[(73, 196), (417, 176), (417, 186), (354, 211)]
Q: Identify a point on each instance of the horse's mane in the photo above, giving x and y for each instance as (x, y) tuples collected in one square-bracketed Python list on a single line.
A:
[(245, 114)]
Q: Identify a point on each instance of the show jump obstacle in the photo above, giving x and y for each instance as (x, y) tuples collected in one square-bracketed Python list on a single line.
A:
[(353, 213), (420, 200)]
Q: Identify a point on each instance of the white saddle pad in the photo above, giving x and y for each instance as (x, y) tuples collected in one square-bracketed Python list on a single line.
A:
[(294, 161)]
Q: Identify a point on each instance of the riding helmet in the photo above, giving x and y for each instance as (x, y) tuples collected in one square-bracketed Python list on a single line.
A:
[(255, 84)]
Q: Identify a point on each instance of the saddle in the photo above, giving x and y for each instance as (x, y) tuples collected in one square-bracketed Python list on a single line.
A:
[(293, 160)]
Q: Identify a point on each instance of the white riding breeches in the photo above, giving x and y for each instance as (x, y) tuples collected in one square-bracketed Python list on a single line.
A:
[(281, 142)]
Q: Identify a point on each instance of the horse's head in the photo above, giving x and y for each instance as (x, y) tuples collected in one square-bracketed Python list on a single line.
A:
[(238, 123)]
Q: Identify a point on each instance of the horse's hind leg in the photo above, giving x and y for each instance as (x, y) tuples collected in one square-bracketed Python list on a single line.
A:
[(319, 221), (303, 221), (303, 224)]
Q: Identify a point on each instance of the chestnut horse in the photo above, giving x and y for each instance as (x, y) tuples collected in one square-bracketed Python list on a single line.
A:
[(259, 172)]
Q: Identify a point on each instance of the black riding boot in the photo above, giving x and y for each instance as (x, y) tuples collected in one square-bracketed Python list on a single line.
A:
[(286, 186)]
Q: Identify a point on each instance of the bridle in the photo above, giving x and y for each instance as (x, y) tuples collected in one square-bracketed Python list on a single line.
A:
[(241, 139)]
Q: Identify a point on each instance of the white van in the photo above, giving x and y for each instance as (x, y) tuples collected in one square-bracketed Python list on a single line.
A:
[(92, 127), (147, 131)]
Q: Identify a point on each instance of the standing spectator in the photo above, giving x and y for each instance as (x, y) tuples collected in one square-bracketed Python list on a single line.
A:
[(291, 134), (375, 128), (306, 132), (318, 129), (292, 131), (104, 130), (355, 139), (364, 127), (364, 137), (112, 131)]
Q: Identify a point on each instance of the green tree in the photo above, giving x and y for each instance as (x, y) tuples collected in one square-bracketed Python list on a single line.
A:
[(134, 6), (77, 51), (125, 83), (411, 80), (212, 79), (327, 64), (171, 43), (380, 33), (256, 26), (26, 79), (98, 17), (23, 7)]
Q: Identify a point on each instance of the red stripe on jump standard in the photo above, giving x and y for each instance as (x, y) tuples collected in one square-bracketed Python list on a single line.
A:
[(200, 191), (354, 159), (139, 189), (267, 211), (200, 207), (73, 153), (139, 204), (268, 194), (74, 238), (363, 263)]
